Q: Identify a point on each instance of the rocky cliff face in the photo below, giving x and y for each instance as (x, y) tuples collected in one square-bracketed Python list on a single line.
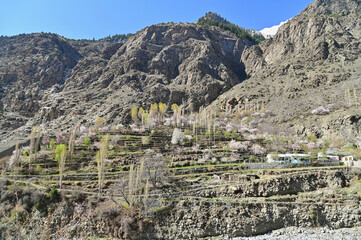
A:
[(34, 68), (49, 80), (313, 61)]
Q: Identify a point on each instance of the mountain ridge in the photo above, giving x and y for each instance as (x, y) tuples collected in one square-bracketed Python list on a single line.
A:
[(312, 61), (185, 64), (301, 68)]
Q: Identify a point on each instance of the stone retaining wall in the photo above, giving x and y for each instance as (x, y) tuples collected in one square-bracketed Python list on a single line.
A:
[(288, 165)]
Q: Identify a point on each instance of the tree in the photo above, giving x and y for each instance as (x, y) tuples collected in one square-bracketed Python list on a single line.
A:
[(35, 136), (101, 156), (155, 168), (100, 122), (15, 158), (134, 113), (240, 32), (177, 111), (153, 110), (60, 157), (140, 114), (145, 118), (177, 136), (162, 109), (52, 143), (87, 142), (71, 144)]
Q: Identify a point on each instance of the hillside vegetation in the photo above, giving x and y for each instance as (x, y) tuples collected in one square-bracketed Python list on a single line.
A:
[(213, 19)]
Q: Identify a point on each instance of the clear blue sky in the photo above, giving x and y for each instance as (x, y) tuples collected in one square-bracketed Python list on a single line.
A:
[(99, 18)]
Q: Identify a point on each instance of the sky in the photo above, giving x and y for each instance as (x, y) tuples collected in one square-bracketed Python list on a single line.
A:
[(88, 19)]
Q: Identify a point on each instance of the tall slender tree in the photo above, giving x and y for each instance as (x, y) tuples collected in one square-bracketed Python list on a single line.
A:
[(101, 157)]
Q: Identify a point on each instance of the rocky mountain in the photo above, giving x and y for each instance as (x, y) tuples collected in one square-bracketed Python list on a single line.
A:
[(312, 63), (53, 81), (308, 74)]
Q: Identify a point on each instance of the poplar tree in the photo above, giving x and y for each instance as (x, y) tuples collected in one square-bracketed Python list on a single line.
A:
[(101, 156), (134, 113), (71, 144), (35, 136), (60, 156), (162, 109), (141, 115)]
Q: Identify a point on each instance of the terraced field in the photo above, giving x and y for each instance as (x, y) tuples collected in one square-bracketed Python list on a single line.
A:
[(193, 189)]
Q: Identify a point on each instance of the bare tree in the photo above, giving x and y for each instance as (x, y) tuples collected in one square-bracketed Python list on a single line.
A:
[(101, 156), (15, 158), (62, 161), (71, 144), (155, 168), (35, 136)]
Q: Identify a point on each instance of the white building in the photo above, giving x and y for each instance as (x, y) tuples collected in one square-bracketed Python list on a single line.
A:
[(289, 158), (347, 160)]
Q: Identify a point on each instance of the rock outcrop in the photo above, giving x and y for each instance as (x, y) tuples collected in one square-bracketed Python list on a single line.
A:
[(313, 61)]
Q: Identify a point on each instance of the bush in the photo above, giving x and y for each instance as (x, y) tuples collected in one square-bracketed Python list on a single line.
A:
[(311, 214), (18, 216), (145, 140), (227, 135), (52, 143), (188, 132), (53, 194), (39, 168), (87, 142)]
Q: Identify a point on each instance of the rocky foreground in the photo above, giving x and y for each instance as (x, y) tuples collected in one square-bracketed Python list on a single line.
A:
[(302, 233)]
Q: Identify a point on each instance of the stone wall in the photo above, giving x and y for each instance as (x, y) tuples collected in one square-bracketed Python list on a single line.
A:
[(288, 165)]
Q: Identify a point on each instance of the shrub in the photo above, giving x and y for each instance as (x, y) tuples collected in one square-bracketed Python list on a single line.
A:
[(52, 143), (87, 142), (188, 132), (25, 152), (145, 140), (311, 214), (100, 122), (252, 158), (227, 135), (39, 168), (53, 194), (312, 138), (18, 216)]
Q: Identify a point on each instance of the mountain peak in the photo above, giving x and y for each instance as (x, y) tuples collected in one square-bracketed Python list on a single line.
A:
[(216, 17), (212, 19), (334, 7)]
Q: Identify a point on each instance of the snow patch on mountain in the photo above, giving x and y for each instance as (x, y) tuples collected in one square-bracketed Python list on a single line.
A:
[(270, 32)]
